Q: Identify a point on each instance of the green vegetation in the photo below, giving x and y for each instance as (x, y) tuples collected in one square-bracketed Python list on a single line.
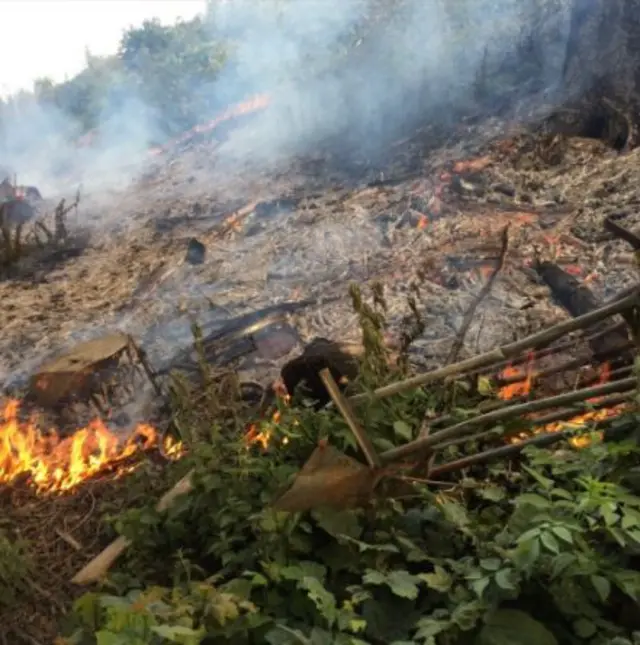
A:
[(543, 553), (170, 69)]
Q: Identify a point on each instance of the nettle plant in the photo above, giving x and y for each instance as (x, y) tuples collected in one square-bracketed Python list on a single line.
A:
[(542, 554)]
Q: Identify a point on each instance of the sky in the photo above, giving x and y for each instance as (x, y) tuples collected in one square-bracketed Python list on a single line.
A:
[(48, 38)]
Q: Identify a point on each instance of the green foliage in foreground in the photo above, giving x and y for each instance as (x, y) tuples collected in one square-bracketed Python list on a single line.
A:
[(543, 555)]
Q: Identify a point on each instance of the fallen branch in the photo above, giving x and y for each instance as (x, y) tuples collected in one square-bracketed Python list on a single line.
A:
[(501, 353), (466, 427), (622, 233), (97, 568), (484, 292)]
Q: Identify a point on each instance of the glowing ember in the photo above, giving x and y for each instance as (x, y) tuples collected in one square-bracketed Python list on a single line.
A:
[(423, 222), (523, 387), (472, 165), (53, 464)]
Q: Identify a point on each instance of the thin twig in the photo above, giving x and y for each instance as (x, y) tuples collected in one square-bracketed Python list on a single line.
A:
[(349, 416), (484, 292), (465, 427), (501, 353)]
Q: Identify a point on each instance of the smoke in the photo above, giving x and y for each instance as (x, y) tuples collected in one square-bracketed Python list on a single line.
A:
[(354, 72), (359, 72)]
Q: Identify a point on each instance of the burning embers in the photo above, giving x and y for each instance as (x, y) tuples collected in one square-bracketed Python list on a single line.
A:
[(520, 383), (54, 464)]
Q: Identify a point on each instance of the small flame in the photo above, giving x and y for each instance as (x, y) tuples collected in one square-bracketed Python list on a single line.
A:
[(53, 464), (423, 222), (523, 387), (519, 388), (262, 433)]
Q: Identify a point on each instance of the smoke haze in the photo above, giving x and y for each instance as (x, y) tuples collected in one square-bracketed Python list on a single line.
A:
[(412, 62)]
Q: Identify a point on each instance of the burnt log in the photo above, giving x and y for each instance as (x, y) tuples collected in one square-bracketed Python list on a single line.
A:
[(577, 299)]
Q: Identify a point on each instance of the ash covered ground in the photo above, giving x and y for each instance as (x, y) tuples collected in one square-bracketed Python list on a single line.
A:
[(426, 220)]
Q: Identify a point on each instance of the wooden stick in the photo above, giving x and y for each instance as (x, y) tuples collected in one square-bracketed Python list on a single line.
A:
[(349, 416), (510, 450), (465, 427), (483, 293), (98, 567), (564, 415), (500, 353)]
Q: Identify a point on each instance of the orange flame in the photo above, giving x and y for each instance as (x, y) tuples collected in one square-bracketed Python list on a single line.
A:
[(262, 433), (578, 422), (53, 464), (255, 103), (519, 388)]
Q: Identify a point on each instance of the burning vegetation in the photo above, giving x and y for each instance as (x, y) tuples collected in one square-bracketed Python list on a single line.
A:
[(54, 464)]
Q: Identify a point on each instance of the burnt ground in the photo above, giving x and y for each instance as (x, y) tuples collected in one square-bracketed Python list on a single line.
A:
[(430, 217), (310, 227)]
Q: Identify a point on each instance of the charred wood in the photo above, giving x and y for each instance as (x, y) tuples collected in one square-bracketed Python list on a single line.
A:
[(578, 300)]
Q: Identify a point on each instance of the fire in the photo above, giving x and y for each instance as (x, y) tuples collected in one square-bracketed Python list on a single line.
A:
[(262, 433), (54, 464), (254, 104), (523, 387), (519, 388)]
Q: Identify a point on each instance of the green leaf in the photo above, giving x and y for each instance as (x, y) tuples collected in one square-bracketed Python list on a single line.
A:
[(372, 577), (630, 518), (513, 627), (561, 562), (550, 542), (485, 387), (439, 580), (562, 493), (179, 634), (602, 587), (430, 627), (337, 523), (492, 493), (491, 564), (323, 599), (403, 430), (563, 533), (584, 628), (531, 499), (609, 514), (504, 579), (478, 586), (403, 584), (545, 482), (455, 513)]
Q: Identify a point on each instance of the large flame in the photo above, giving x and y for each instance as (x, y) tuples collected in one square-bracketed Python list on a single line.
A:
[(580, 421), (53, 464)]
